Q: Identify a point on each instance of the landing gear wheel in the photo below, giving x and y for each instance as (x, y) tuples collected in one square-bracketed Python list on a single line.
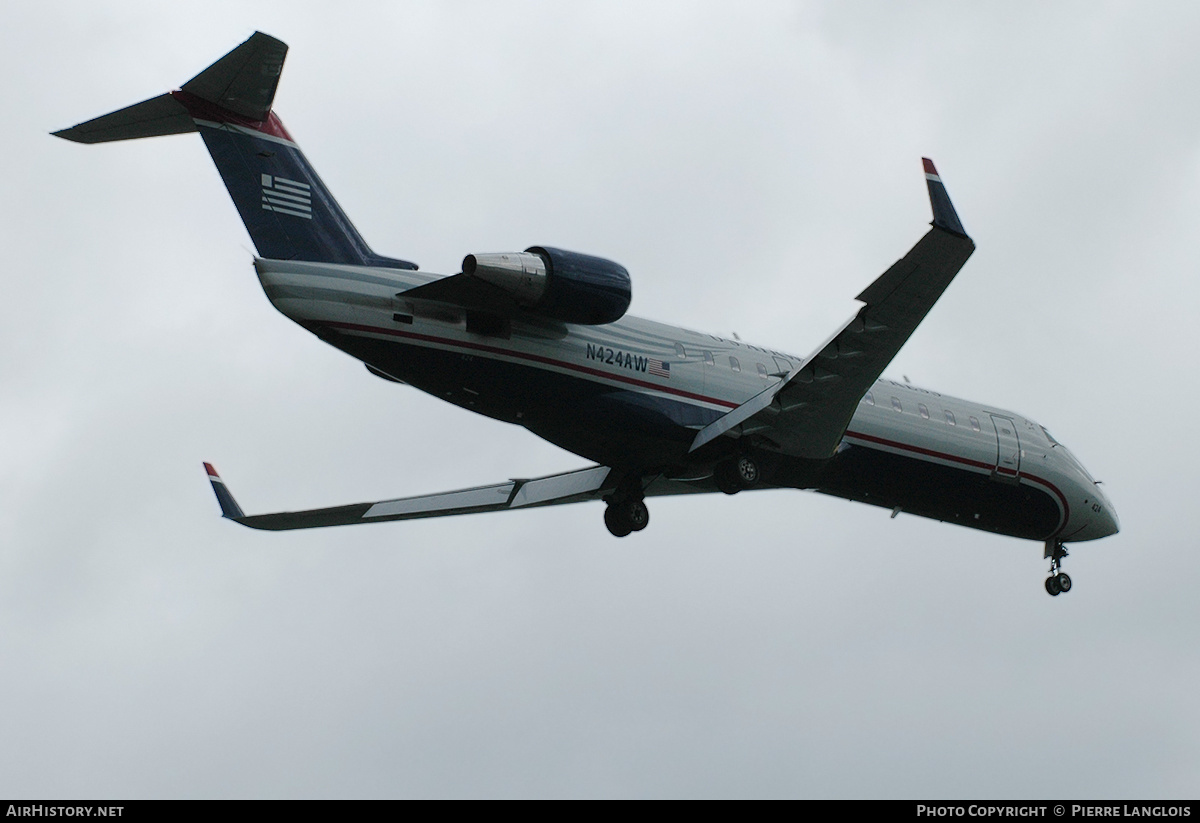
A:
[(617, 526), (737, 474), (726, 481), (1058, 581), (639, 518), (747, 472), (625, 516)]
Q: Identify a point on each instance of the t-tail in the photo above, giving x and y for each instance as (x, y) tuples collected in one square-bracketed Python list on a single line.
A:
[(288, 211)]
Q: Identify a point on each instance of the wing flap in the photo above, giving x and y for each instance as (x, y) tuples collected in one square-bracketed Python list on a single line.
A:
[(481, 499), (561, 488)]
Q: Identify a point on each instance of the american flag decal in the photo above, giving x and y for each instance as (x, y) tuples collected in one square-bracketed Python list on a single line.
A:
[(658, 368), (287, 196)]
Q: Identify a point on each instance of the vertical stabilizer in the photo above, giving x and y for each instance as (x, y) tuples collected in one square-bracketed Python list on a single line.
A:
[(287, 210)]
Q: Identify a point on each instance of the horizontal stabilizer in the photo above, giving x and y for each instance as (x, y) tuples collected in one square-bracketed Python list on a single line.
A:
[(245, 79), (156, 117), (287, 210), (242, 82)]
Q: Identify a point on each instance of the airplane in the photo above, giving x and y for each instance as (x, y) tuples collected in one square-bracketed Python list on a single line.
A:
[(541, 339)]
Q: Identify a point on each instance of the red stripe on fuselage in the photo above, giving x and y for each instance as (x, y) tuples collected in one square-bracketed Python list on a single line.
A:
[(536, 358), (1062, 499)]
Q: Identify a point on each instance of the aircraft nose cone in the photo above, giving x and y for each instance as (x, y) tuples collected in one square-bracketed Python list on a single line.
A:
[(1102, 523), (1107, 521)]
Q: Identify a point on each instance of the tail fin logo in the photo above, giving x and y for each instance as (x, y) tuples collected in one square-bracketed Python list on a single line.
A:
[(286, 196)]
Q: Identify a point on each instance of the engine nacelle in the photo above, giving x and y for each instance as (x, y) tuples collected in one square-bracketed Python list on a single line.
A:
[(563, 285)]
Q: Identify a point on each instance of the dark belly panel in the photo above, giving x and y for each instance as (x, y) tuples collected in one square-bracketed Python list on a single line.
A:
[(941, 492), (609, 425)]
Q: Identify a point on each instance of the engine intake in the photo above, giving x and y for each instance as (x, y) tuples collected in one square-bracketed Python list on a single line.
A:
[(563, 285)]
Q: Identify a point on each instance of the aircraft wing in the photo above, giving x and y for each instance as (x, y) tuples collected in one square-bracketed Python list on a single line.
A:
[(807, 413), (579, 486)]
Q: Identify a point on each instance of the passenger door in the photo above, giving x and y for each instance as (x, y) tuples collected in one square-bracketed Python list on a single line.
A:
[(1008, 448)]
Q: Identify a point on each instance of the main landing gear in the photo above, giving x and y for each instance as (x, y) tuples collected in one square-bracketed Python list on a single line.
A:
[(1058, 582), (627, 512), (626, 515), (734, 475)]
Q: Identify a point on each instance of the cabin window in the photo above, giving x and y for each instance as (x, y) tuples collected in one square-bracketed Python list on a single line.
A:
[(708, 359), (896, 404), (734, 364), (762, 371), (975, 424), (924, 410), (950, 418), (869, 399), (680, 350)]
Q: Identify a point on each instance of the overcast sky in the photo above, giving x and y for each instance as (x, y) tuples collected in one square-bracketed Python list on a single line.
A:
[(754, 166)]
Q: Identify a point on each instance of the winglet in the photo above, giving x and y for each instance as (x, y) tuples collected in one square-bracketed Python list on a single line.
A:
[(229, 506), (944, 216)]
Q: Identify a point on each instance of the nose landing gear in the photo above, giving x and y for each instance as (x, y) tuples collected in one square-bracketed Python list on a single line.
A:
[(1059, 582)]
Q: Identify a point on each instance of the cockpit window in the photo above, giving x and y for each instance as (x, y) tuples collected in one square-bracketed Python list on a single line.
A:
[(1049, 436), (869, 399)]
